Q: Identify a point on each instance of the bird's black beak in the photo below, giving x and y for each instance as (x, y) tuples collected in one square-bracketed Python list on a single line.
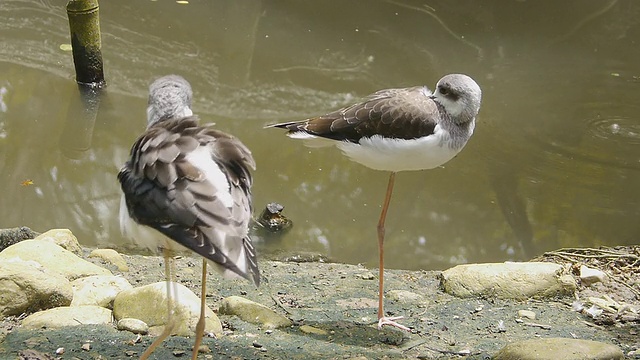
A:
[(432, 97)]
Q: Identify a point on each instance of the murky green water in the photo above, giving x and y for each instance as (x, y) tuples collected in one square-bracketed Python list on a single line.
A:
[(555, 160)]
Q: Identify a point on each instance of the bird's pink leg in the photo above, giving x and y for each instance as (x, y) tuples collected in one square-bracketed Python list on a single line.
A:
[(383, 320), (168, 328), (201, 320)]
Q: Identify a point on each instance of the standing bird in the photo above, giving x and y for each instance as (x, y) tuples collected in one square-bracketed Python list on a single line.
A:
[(191, 183), (397, 130)]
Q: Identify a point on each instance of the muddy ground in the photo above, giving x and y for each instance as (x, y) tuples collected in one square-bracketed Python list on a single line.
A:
[(341, 300)]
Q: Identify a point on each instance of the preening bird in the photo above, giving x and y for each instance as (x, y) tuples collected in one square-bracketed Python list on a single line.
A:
[(191, 183), (398, 130)]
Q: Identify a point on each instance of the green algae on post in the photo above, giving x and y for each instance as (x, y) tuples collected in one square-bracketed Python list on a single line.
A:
[(84, 25)]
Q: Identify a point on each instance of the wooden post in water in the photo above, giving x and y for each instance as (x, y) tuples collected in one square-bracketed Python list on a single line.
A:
[(84, 24)]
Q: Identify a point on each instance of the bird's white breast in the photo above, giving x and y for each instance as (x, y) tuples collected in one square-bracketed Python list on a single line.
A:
[(143, 237), (388, 154)]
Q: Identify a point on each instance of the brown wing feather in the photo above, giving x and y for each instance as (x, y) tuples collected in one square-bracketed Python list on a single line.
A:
[(406, 113), (165, 191)]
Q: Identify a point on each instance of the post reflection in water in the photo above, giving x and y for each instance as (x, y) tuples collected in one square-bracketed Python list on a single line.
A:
[(553, 161)]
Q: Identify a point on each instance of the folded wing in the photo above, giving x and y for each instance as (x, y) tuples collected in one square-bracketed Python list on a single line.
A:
[(193, 184), (406, 113)]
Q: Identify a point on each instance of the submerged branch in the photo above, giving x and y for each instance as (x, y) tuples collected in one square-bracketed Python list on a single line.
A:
[(431, 12)]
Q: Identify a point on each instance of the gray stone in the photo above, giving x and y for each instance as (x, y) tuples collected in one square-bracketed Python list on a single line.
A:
[(67, 316), (12, 236), (253, 312), (507, 280), (559, 348), (133, 325), (367, 276), (110, 256), (52, 257), (406, 297), (149, 304), (98, 290), (63, 238), (357, 303), (25, 286)]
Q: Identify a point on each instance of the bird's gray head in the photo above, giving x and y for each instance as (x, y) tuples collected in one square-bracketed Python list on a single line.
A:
[(169, 97), (460, 96)]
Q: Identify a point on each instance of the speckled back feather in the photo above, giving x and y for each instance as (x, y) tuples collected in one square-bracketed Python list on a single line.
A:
[(406, 113), (166, 191)]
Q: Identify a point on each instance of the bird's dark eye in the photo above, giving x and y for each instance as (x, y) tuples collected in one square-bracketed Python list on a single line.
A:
[(444, 91)]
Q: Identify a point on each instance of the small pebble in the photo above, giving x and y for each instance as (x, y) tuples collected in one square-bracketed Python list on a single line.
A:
[(589, 276), (527, 314), (133, 325), (501, 326), (178, 353), (312, 330), (86, 346), (204, 349), (367, 276), (257, 344), (60, 351), (110, 256), (577, 306), (594, 311), (405, 297)]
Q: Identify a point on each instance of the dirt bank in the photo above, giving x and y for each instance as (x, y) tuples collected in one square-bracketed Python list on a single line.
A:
[(340, 301)]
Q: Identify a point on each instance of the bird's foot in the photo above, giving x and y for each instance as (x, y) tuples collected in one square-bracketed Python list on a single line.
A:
[(390, 321)]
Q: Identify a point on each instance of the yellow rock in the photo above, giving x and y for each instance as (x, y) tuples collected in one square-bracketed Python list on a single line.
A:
[(67, 316), (63, 238), (110, 256), (149, 304), (312, 330), (98, 290), (52, 257), (253, 312)]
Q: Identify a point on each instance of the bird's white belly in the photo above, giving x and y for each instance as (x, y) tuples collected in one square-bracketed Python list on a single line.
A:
[(395, 155), (144, 237)]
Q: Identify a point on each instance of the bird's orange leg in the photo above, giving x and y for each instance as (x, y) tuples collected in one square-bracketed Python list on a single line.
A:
[(168, 328), (383, 320), (201, 320)]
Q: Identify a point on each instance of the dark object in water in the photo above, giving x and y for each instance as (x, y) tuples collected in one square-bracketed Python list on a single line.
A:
[(272, 218)]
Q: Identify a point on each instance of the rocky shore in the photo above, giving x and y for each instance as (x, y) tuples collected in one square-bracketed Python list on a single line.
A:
[(61, 301)]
